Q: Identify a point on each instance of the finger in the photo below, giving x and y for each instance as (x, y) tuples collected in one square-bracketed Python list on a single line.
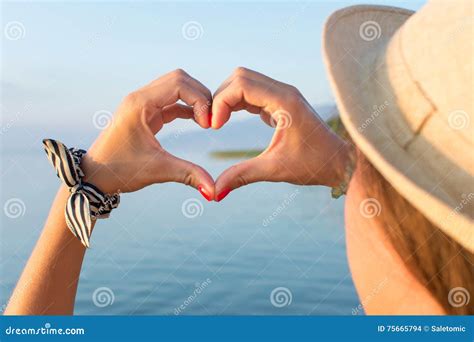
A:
[(252, 75), (241, 93), (168, 114), (267, 119), (176, 74), (175, 86), (244, 72), (176, 111), (250, 171), (182, 91), (174, 169), (224, 85), (202, 111)]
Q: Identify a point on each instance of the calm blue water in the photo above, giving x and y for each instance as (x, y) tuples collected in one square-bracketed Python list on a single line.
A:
[(151, 257)]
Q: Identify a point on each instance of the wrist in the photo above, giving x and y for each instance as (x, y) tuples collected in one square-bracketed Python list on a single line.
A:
[(342, 163), (343, 169), (98, 174)]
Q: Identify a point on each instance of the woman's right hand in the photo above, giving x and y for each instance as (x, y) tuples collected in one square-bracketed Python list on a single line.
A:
[(127, 157), (303, 149)]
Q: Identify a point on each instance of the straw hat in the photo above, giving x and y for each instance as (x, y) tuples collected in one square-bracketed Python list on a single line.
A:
[(403, 83)]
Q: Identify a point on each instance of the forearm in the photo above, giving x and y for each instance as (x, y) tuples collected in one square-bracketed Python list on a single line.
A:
[(49, 281), (126, 157)]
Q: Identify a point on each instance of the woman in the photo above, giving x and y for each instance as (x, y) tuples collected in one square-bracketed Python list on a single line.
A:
[(408, 255)]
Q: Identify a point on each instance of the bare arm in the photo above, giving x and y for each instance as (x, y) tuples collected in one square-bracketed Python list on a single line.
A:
[(126, 157), (49, 281)]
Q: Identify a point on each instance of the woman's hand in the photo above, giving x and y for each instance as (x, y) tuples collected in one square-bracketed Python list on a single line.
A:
[(126, 156), (303, 150)]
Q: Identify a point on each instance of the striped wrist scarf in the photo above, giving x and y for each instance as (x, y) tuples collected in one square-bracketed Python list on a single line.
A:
[(86, 201)]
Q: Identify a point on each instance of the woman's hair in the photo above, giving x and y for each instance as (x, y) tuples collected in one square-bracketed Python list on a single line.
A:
[(435, 259)]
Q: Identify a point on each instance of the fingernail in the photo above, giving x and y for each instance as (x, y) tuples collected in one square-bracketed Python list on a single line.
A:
[(223, 194), (204, 193), (210, 119)]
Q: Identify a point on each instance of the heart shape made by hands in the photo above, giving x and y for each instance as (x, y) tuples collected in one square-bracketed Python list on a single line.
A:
[(303, 150)]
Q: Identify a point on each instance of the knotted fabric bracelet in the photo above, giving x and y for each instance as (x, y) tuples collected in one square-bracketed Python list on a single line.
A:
[(341, 189), (86, 202)]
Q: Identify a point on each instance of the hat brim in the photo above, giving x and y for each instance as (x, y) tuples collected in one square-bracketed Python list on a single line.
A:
[(352, 50)]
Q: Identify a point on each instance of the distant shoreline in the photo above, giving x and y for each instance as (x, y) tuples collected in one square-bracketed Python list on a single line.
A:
[(334, 123), (235, 154)]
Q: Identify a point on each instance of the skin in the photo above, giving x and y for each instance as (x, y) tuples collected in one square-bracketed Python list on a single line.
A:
[(303, 149), (126, 157), (384, 284)]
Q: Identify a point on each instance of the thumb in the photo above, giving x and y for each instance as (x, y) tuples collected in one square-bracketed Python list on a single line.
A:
[(250, 171), (178, 170)]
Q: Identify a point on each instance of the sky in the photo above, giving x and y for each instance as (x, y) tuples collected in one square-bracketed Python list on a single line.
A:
[(64, 61)]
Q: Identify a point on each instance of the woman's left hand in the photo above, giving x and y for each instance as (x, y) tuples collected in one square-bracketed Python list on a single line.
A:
[(303, 149)]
